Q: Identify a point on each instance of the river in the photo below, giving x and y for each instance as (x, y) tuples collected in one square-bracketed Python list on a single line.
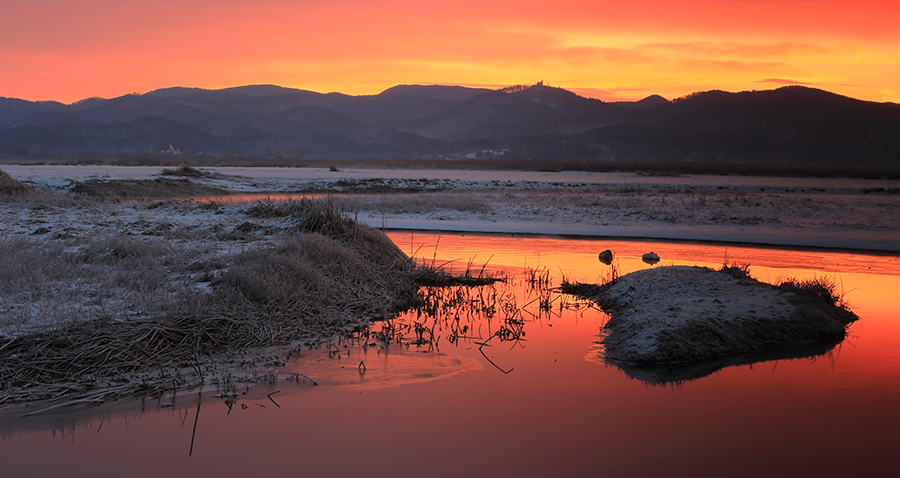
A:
[(457, 397)]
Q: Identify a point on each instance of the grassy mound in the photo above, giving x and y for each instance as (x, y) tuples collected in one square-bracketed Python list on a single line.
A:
[(304, 283), (145, 188), (680, 314)]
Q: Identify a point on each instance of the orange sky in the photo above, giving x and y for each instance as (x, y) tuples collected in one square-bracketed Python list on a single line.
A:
[(68, 50)]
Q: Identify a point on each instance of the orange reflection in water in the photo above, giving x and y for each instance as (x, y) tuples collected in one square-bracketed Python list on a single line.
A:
[(555, 414), (868, 282)]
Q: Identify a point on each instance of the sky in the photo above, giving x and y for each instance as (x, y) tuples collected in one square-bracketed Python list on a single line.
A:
[(68, 50)]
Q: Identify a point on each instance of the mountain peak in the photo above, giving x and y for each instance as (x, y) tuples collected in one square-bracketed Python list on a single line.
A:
[(258, 90), (789, 125), (437, 92), (89, 101), (174, 92)]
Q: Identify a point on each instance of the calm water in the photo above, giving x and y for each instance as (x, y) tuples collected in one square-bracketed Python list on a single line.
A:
[(441, 408)]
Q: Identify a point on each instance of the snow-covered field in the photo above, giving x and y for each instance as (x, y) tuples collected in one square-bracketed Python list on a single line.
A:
[(820, 212)]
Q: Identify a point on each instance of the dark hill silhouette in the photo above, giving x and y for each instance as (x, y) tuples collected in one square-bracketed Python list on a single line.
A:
[(314, 119), (400, 106), (535, 110), (437, 92), (174, 92), (12, 109), (647, 103), (792, 125), (260, 90)]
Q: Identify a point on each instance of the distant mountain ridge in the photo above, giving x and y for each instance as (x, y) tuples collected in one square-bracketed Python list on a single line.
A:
[(793, 125)]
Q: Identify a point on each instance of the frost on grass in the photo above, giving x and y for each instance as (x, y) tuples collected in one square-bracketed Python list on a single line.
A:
[(679, 322), (104, 300)]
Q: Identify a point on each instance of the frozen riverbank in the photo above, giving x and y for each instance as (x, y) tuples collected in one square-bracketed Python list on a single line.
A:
[(798, 212), (818, 237)]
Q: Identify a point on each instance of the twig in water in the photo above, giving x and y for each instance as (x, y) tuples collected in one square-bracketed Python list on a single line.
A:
[(194, 432), (480, 347), (273, 400), (307, 377)]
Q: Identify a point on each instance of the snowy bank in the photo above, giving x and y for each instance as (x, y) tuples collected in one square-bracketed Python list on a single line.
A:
[(829, 213)]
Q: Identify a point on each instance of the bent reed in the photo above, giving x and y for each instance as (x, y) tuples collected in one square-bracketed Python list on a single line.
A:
[(106, 300)]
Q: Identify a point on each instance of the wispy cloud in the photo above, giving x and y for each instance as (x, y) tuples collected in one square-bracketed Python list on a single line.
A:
[(782, 81)]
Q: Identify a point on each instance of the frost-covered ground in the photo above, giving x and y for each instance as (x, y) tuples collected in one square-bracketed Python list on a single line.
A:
[(836, 213), (713, 314), (66, 260)]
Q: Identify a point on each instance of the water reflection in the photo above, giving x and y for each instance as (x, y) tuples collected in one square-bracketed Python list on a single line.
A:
[(486, 316), (573, 260), (563, 415), (500, 314), (678, 373)]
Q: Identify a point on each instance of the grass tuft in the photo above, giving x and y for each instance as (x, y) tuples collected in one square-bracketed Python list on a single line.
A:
[(9, 186), (738, 271)]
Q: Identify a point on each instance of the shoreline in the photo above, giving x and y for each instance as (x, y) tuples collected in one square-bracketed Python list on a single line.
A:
[(825, 213), (705, 235), (88, 171)]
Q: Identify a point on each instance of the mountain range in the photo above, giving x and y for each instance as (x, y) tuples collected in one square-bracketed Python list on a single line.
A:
[(792, 126)]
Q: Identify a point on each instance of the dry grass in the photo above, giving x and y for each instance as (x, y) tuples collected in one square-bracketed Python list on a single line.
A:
[(317, 217), (169, 307), (819, 297), (185, 171), (146, 188), (51, 283), (8, 185), (421, 203)]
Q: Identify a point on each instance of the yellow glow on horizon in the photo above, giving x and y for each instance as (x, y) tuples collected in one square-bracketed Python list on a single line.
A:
[(67, 50)]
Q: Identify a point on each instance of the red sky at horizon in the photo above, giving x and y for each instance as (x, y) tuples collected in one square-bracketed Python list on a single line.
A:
[(67, 50)]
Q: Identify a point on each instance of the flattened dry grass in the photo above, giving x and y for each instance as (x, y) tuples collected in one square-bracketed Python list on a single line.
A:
[(419, 203), (145, 188), (306, 283), (8, 185)]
